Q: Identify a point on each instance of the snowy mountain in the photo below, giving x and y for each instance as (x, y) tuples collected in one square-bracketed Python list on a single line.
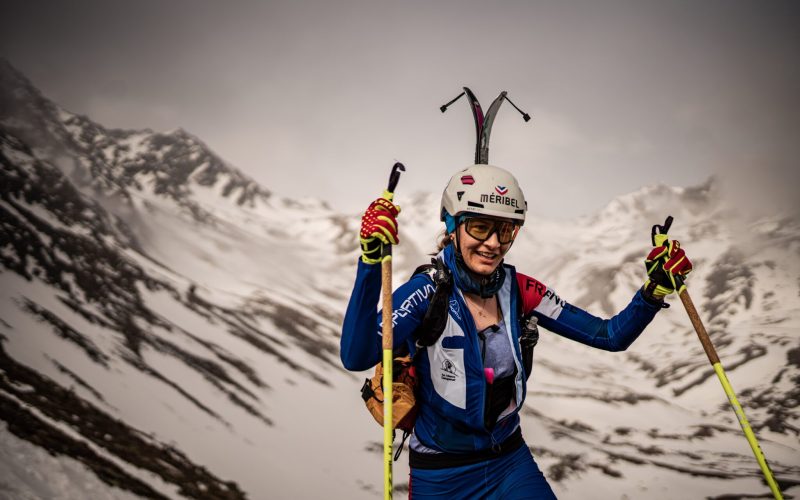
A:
[(169, 329)]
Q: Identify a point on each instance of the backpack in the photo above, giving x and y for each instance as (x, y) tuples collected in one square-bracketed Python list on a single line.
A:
[(404, 384)]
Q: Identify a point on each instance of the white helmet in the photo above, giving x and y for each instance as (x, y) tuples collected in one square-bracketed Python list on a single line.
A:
[(484, 190)]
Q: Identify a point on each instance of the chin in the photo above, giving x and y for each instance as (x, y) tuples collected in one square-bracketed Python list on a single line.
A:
[(483, 269)]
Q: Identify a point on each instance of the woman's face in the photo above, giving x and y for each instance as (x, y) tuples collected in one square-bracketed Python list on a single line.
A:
[(482, 257)]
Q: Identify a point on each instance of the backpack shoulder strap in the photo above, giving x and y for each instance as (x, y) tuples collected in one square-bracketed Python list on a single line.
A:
[(528, 334), (428, 269), (435, 318)]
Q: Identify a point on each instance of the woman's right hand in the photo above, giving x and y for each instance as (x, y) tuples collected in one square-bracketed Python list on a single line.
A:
[(378, 228)]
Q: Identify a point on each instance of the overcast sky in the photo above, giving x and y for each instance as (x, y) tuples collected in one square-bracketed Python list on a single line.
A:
[(319, 98)]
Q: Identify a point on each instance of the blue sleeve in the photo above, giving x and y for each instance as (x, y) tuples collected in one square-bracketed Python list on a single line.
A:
[(615, 334), (361, 330)]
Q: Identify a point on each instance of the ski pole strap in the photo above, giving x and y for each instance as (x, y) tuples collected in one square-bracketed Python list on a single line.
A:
[(406, 434)]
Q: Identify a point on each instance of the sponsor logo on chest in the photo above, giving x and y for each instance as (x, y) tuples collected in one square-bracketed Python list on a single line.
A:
[(448, 370), (455, 309)]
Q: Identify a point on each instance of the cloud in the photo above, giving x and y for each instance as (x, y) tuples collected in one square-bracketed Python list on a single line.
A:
[(120, 110), (760, 186)]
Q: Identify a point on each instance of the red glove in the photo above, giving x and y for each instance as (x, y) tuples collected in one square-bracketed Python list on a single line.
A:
[(663, 264), (378, 228)]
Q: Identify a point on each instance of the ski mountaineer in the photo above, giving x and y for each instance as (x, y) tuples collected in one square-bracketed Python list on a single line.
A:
[(467, 441)]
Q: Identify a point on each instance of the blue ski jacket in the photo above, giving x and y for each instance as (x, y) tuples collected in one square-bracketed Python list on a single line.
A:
[(452, 393)]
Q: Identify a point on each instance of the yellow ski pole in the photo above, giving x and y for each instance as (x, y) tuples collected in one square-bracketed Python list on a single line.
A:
[(711, 352), (388, 358)]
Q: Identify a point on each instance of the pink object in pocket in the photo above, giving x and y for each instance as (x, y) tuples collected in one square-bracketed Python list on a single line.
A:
[(489, 372)]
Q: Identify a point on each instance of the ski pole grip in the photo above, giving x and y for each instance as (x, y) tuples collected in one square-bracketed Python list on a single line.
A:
[(394, 177), (679, 282), (667, 225), (660, 229), (664, 229)]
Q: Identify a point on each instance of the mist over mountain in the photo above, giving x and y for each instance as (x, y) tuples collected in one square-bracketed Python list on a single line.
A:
[(169, 328)]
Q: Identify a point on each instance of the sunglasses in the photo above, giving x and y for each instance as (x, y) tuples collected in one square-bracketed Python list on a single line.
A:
[(483, 229)]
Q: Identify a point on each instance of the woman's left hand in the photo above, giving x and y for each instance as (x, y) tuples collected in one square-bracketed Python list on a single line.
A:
[(667, 266)]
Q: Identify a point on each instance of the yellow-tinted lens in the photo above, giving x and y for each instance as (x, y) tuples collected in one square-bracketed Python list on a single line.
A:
[(482, 229), (506, 231)]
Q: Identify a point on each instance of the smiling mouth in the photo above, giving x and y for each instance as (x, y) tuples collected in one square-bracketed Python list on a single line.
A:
[(489, 256)]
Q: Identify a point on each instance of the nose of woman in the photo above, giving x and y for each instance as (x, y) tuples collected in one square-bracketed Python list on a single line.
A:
[(493, 241)]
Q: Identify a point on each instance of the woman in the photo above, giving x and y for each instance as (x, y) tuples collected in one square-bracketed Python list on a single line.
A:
[(467, 441)]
